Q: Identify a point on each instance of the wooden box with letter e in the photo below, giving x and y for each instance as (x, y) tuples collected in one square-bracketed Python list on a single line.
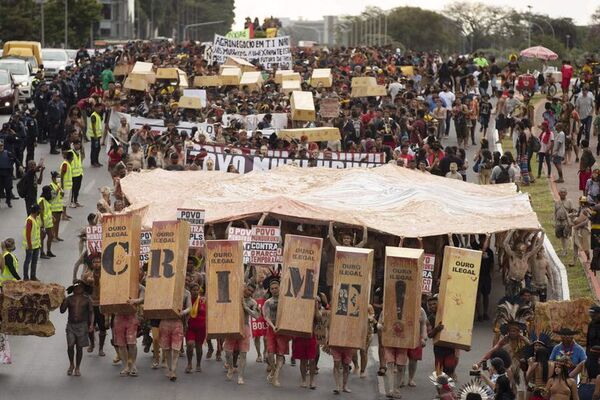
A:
[(165, 280), (225, 288), (350, 299), (303, 106), (403, 275), (457, 297), (119, 277), (299, 284)]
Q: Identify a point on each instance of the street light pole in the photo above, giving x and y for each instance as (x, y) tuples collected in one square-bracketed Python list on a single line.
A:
[(568, 37), (66, 23), (43, 30), (185, 28), (529, 30)]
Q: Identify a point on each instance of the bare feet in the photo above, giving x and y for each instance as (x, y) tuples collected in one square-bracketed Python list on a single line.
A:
[(70, 370), (76, 372)]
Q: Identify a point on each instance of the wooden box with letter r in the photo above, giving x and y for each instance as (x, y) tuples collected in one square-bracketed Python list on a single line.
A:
[(225, 288), (350, 299), (457, 297), (403, 276), (119, 277), (165, 280), (299, 284)]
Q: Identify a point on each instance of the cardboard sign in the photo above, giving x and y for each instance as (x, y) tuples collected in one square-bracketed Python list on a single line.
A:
[(329, 108), (245, 236), (553, 315), (195, 217), (350, 299), (322, 328), (303, 106), (145, 241), (165, 280), (225, 288), (119, 277), (259, 325), (299, 283), (402, 297), (193, 103), (319, 134), (457, 297), (93, 238), (428, 268), (265, 247)]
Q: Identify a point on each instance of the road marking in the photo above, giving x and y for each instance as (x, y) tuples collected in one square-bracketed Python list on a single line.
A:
[(89, 186), (380, 382)]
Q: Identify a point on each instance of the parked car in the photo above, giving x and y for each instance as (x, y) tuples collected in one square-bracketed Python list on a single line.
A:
[(9, 95), (22, 74), (55, 60)]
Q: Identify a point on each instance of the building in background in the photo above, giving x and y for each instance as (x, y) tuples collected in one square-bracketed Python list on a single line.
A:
[(320, 31), (118, 20)]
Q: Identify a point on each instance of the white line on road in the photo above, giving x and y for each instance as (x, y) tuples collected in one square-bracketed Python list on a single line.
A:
[(380, 382), (89, 186)]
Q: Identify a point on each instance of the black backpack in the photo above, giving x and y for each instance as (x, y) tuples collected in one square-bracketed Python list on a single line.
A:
[(503, 176)]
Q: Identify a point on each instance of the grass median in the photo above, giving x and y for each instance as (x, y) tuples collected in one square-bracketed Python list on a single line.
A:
[(543, 205)]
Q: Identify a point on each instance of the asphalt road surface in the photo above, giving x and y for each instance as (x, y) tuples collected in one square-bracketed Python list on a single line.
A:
[(39, 364)]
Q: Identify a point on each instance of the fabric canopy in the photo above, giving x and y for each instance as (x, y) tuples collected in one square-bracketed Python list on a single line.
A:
[(387, 199)]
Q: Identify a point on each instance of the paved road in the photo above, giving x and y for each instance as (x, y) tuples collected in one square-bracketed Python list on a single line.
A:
[(40, 363)]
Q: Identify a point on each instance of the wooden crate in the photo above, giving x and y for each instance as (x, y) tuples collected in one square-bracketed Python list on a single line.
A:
[(299, 284), (225, 288), (286, 75), (253, 80), (319, 134), (361, 81), (167, 73), (165, 280), (367, 91), (322, 77), (122, 69), (288, 87), (207, 81), (119, 277), (190, 102), (350, 299), (231, 76), (303, 106), (457, 297), (402, 297), (242, 64), (135, 83)]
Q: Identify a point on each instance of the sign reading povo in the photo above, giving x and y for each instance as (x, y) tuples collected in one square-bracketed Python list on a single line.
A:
[(265, 245), (195, 218), (165, 280), (299, 282), (245, 235), (428, 268), (145, 241), (119, 277), (225, 288), (93, 238), (350, 299)]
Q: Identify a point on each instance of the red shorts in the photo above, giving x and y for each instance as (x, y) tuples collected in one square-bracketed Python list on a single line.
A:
[(343, 354), (171, 334), (415, 354), (446, 363), (196, 331), (583, 178), (242, 345), (277, 344), (395, 355), (125, 328), (304, 348)]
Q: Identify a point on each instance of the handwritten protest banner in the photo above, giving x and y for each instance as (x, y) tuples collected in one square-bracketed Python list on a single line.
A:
[(329, 108), (145, 240), (265, 247), (259, 325), (196, 219), (245, 235), (428, 267), (157, 126), (268, 52), (93, 238)]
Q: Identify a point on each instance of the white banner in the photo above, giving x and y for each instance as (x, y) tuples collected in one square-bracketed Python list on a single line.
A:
[(268, 52), (157, 126), (250, 122)]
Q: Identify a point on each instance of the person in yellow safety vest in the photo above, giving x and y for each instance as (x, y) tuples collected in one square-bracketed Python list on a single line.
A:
[(66, 181), (76, 173), (31, 243), (46, 222), (10, 264), (95, 129), (56, 204)]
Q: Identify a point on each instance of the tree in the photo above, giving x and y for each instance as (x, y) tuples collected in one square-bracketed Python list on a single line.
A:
[(479, 23), (19, 20)]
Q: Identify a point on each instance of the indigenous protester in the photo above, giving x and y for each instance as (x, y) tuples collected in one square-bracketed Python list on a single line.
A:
[(196, 327), (171, 337), (80, 322)]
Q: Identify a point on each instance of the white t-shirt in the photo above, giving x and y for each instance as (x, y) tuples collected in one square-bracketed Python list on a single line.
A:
[(545, 147), (559, 144), (448, 99)]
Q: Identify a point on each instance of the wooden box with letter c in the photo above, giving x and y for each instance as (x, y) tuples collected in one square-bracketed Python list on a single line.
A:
[(225, 288), (403, 275), (165, 280), (350, 299), (119, 277), (299, 284), (457, 297)]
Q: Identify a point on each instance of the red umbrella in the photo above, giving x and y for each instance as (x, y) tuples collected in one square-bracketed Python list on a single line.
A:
[(539, 52)]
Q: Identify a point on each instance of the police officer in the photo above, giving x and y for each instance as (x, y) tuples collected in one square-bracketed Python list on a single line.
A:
[(55, 118), (6, 165), (31, 126), (41, 100)]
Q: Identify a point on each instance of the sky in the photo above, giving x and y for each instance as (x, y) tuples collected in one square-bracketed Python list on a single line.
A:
[(579, 10)]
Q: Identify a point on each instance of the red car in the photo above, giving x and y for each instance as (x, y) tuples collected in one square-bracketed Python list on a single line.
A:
[(9, 95)]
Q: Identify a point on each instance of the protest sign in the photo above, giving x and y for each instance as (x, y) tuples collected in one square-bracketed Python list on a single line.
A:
[(225, 288), (157, 126), (428, 268), (457, 297), (145, 241), (402, 297), (268, 52), (195, 218), (259, 325), (196, 93), (245, 236), (250, 122), (243, 34), (299, 282), (329, 108), (350, 298), (265, 245), (93, 238), (551, 316), (119, 277), (165, 279)]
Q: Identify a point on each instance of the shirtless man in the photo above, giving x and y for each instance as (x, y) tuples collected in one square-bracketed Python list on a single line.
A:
[(277, 345), (518, 260), (347, 239), (242, 345), (582, 231), (171, 336), (539, 267), (80, 322)]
